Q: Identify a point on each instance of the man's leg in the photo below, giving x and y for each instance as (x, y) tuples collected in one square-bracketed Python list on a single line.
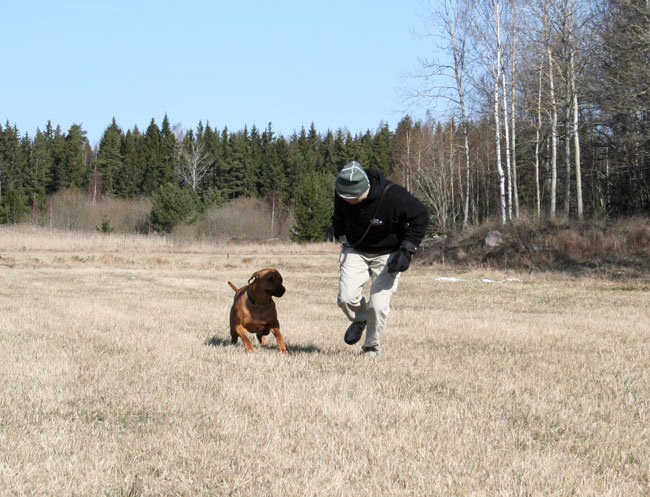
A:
[(354, 274), (383, 287)]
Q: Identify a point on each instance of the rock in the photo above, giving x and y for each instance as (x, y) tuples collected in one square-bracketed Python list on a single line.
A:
[(493, 239)]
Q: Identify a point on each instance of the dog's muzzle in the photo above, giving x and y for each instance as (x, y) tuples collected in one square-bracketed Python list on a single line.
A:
[(278, 291)]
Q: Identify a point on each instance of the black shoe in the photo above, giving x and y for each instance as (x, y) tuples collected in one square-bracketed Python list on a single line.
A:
[(354, 332)]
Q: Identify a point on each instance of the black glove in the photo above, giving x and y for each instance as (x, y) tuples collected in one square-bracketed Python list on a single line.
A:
[(402, 260)]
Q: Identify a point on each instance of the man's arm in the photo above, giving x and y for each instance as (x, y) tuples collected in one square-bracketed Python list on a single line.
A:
[(338, 221), (417, 219)]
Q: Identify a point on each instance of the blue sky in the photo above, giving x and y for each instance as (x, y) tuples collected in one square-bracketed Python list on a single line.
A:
[(335, 63)]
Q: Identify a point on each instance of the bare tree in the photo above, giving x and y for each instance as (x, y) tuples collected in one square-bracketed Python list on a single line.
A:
[(486, 33), (192, 162), (572, 90), (514, 34), (506, 134), (434, 183), (496, 69), (551, 83), (538, 129), (457, 40), (452, 18), (403, 152)]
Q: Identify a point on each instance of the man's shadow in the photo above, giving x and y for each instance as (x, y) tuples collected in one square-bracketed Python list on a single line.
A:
[(217, 341)]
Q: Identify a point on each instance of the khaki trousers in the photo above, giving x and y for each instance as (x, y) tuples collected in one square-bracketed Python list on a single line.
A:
[(356, 269)]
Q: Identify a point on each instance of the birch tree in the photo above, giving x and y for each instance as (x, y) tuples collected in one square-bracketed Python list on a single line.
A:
[(551, 84), (496, 68), (452, 18), (538, 129), (514, 33), (192, 162), (486, 32)]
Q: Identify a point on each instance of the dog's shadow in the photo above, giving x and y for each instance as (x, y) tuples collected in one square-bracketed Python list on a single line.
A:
[(217, 341)]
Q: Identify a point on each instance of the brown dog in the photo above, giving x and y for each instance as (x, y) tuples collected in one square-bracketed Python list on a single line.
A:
[(254, 309)]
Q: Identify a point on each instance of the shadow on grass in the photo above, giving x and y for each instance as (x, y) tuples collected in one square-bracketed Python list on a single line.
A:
[(217, 341)]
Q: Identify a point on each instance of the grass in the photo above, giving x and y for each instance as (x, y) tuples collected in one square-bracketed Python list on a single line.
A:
[(119, 378)]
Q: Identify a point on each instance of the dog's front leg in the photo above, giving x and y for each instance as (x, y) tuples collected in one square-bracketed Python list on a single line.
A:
[(241, 331), (278, 338)]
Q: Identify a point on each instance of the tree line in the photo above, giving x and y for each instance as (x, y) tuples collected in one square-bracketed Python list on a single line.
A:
[(550, 115)]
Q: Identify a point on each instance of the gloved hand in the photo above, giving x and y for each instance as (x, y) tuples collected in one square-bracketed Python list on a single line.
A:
[(402, 260)]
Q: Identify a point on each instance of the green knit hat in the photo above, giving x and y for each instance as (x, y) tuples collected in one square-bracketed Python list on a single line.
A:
[(352, 181)]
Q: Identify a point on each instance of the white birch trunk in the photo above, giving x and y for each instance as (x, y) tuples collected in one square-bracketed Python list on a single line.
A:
[(497, 126), (538, 128), (504, 92), (513, 140), (576, 134), (567, 152), (553, 133)]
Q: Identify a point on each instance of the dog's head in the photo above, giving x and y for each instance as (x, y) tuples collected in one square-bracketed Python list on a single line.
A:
[(269, 281)]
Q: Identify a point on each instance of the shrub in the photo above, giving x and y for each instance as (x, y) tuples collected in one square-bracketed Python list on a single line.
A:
[(242, 218), (172, 205), (13, 206), (73, 210), (106, 226)]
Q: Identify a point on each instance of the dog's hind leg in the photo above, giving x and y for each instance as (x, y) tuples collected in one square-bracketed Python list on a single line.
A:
[(261, 337)]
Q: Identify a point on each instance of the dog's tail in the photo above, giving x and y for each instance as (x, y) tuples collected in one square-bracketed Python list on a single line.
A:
[(233, 286)]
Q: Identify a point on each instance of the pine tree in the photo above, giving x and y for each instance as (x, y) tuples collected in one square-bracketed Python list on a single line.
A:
[(212, 142), (366, 152), (305, 155), (256, 167), (14, 205), (75, 163), (271, 168), (130, 178), (150, 160), (314, 140), (2, 163), (57, 146), (314, 208), (10, 159), (340, 156), (109, 160), (172, 205), (381, 155), (239, 165), (40, 170), (329, 158), (168, 151)]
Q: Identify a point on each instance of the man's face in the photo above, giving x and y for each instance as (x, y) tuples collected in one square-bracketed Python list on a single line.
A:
[(355, 201)]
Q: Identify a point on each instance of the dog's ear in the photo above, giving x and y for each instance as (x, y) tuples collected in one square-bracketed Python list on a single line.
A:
[(254, 277)]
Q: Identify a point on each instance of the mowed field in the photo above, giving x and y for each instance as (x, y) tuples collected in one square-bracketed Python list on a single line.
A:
[(118, 378)]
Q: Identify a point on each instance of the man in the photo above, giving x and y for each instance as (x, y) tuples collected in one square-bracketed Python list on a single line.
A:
[(383, 225)]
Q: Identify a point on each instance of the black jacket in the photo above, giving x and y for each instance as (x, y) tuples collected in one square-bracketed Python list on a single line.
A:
[(401, 217)]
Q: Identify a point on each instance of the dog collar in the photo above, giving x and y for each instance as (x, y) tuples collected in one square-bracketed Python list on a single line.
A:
[(250, 297)]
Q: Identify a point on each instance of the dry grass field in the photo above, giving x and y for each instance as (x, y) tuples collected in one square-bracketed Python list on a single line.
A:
[(118, 378)]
